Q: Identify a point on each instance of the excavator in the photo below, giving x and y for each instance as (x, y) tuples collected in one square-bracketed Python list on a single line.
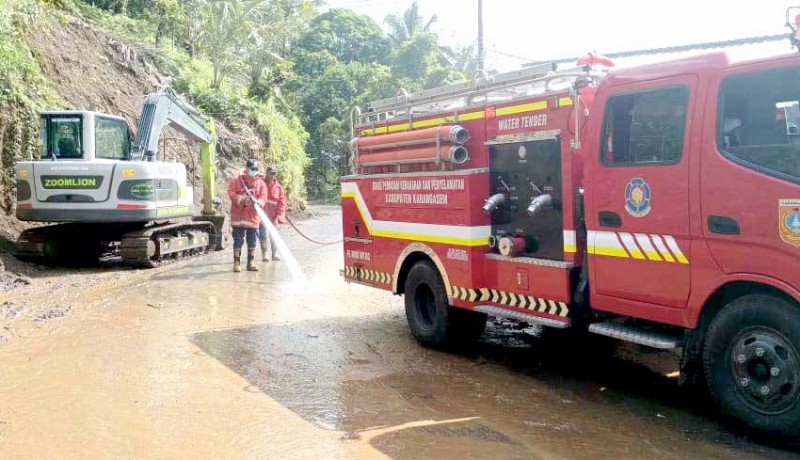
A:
[(104, 195)]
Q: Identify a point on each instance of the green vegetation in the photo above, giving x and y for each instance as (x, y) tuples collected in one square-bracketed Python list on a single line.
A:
[(282, 73), (23, 91)]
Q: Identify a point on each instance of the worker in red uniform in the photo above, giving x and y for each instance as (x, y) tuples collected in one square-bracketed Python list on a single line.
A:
[(246, 191), (275, 208)]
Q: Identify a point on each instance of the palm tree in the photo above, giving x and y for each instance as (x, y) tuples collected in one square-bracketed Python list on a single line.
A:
[(408, 25), (228, 25), (463, 59)]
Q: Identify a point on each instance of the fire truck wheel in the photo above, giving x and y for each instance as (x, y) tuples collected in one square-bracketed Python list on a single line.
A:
[(751, 359), (426, 305)]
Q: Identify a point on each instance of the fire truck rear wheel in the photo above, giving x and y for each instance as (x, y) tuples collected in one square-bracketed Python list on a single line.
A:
[(751, 359), (432, 320)]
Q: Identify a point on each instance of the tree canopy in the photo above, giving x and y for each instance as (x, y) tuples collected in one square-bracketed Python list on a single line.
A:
[(298, 62)]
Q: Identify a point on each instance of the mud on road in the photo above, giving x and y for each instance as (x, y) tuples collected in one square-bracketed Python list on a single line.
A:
[(193, 361)]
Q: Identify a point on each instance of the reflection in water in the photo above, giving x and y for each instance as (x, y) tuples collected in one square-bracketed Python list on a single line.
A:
[(516, 395)]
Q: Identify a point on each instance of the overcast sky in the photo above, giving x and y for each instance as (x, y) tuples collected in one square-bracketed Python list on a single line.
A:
[(538, 30)]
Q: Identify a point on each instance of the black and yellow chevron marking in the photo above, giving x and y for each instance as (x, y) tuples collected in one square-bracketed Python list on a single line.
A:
[(537, 304), (369, 276)]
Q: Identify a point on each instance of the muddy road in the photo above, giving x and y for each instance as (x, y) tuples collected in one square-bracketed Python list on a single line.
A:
[(193, 361)]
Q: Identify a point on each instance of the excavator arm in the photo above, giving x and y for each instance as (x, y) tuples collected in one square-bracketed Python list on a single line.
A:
[(166, 108)]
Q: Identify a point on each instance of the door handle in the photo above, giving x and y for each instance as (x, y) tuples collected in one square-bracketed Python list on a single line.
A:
[(723, 225), (610, 219)]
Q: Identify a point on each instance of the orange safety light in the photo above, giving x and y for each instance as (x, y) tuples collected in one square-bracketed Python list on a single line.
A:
[(593, 60)]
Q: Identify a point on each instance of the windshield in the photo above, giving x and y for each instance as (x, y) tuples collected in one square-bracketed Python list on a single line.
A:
[(111, 139), (759, 121), (61, 137)]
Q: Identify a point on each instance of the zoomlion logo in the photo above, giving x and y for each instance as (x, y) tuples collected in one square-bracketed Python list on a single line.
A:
[(72, 182), (637, 198), (789, 221)]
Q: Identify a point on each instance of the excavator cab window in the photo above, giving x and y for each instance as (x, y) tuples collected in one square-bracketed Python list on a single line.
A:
[(112, 140), (62, 137)]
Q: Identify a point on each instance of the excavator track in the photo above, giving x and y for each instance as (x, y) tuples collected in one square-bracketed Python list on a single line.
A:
[(71, 244), (160, 244)]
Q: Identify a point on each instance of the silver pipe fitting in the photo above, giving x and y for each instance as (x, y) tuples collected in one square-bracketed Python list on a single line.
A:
[(538, 203), (493, 202)]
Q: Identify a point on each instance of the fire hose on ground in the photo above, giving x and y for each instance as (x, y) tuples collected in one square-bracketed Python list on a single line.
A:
[(299, 232)]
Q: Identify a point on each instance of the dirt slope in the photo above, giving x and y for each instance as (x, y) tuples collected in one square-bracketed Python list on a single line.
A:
[(92, 69)]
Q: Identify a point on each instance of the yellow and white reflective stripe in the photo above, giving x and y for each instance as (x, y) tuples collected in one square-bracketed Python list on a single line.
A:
[(647, 247), (570, 246), (662, 249), (639, 246), (630, 245), (522, 108), (430, 233), (606, 244), (673, 246)]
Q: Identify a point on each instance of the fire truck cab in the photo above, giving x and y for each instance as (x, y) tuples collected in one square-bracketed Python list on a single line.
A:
[(658, 205)]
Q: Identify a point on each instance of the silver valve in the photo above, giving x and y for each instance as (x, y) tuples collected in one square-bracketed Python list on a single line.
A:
[(539, 202), (493, 202)]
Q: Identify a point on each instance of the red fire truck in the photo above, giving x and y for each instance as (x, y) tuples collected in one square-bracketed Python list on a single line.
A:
[(658, 205)]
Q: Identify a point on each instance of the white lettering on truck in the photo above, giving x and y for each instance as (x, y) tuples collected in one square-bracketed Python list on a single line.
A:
[(527, 122)]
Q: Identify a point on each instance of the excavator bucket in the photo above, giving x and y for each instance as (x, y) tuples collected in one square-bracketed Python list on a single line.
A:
[(218, 220)]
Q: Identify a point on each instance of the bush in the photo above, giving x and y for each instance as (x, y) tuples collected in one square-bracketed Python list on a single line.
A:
[(287, 141)]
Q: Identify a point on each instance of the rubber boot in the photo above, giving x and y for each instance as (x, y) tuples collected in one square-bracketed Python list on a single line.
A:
[(265, 252), (237, 260), (251, 260)]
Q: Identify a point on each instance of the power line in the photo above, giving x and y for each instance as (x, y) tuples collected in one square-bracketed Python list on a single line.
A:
[(676, 49), (509, 55)]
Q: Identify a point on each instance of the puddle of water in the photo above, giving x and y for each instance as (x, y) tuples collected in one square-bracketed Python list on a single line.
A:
[(515, 396)]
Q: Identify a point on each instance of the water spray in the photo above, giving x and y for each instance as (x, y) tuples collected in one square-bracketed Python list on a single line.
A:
[(283, 249)]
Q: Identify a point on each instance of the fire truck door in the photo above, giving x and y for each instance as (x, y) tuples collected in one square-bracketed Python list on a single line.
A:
[(638, 229)]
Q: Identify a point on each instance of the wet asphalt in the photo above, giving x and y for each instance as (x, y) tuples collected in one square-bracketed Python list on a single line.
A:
[(193, 361)]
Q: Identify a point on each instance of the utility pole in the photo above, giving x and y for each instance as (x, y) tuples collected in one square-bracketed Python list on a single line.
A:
[(481, 50)]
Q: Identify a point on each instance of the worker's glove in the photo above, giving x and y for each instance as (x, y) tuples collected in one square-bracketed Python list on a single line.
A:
[(242, 199), (280, 220)]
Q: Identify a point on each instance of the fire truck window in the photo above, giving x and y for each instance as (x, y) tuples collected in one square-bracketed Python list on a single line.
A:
[(759, 121), (645, 127)]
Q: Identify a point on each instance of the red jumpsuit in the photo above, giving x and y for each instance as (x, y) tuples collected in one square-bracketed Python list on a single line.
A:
[(275, 207), (244, 217)]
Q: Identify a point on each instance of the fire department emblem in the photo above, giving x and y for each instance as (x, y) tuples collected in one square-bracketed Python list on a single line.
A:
[(789, 225), (637, 198)]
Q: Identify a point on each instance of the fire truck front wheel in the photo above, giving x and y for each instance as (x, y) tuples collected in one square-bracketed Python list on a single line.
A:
[(752, 365), (432, 320)]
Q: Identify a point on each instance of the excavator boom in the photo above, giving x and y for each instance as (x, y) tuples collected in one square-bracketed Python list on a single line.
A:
[(91, 176)]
